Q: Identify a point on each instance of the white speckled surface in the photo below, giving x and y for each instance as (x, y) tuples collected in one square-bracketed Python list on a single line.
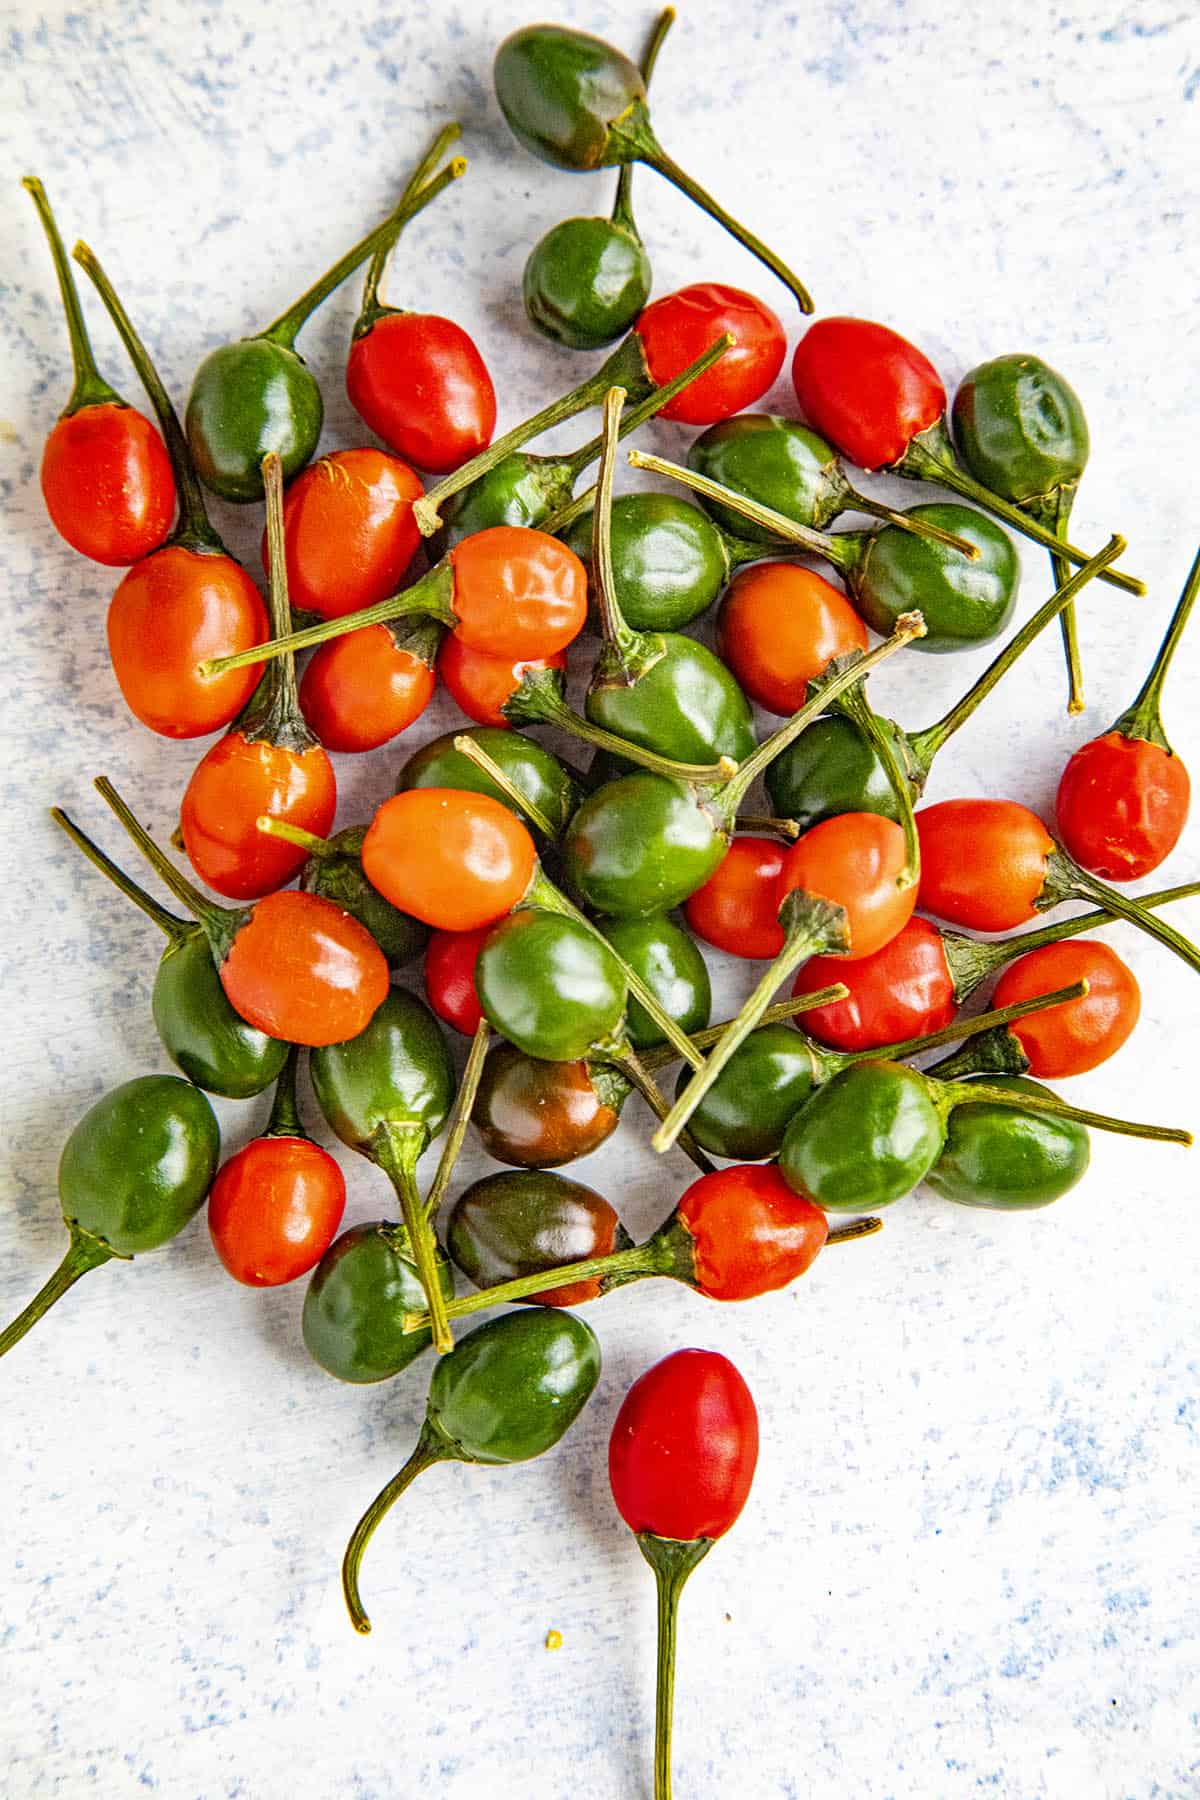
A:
[(970, 1561)]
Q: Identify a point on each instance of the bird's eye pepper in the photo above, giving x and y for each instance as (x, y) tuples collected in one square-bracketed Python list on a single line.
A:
[(134, 1170), (522, 1221), (997, 1156), (507, 1392), (364, 689), (348, 531), (539, 775)]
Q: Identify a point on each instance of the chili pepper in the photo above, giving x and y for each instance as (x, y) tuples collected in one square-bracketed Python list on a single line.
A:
[(780, 627), (450, 977), (334, 870), (673, 969), (578, 103), (991, 864), (1020, 429), (541, 1114), (509, 591), (1123, 799), (918, 980), (276, 1205), (106, 476), (997, 1156), (520, 1222), (196, 1024), (882, 404), (187, 600), (966, 599), (836, 767), (257, 394), (551, 986), (268, 763), (132, 1173), (348, 531), (669, 561), (518, 487), (869, 1136), (293, 965), (507, 1392), (364, 689), (736, 909), (586, 280), (368, 1281), (387, 1093), (643, 843), (539, 775), (418, 379), (482, 684)]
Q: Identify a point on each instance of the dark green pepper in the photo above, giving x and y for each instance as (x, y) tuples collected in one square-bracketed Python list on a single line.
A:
[(997, 1156), (507, 1392), (515, 1223), (134, 1171), (577, 103), (358, 1294), (670, 963), (201, 1033), (746, 1112), (538, 775), (669, 561), (587, 280), (551, 986)]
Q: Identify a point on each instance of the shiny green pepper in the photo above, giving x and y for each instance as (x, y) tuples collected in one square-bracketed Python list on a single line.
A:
[(550, 986), (357, 1296), (746, 1112), (963, 603), (1020, 428), (533, 770), (641, 844), (865, 1139), (507, 1392), (998, 1156), (831, 769), (670, 563), (670, 963)]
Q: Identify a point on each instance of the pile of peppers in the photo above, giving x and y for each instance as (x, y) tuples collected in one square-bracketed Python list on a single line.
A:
[(547, 906)]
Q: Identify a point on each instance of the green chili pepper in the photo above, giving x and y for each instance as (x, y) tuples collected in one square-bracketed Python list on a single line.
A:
[(540, 776), (670, 963), (522, 1220), (998, 1156)]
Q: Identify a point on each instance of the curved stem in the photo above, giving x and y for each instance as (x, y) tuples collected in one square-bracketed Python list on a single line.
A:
[(626, 367), (843, 550), (1069, 620), (221, 923), (949, 1094), (812, 927), (966, 1028), (174, 928), (460, 1118), (285, 1120), (285, 329), (622, 645), (924, 745), (431, 597), (622, 212), (1142, 720), (661, 1056), (653, 403), (396, 1148), (194, 528), (636, 138), (83, 1253), (1065, 880), (857, 502), (650, 1258), (538, 701), (370, 308), (931, 457), (855, 705), (90, 387), (672, 1560), (639, 1077), (431, 1448), (475, 753)]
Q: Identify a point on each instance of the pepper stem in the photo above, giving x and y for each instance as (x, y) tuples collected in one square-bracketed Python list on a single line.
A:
[(622, 645), (90, 387), (812, 927), (930, 456), (474, 752), (538, 700), (856, 502), (672, 1560), (543, 894), (272, 714), (784, 828), (194, 528), (83, 1253), (370, 309), (285, 329), (856, 706), (924, 745), (622, 212), (395, 1148), (660, 1056), (843, 549), (650, 1258), (639, 1077), (1069, 620), (1065, 880), (949, 1094), (221, 923), (655, 400), (431, 1448), (430, 597), (1143, 719), (174, 928), (966, 1028), (460, 1118), (295, 834), (285, 1120), (857, 1228)]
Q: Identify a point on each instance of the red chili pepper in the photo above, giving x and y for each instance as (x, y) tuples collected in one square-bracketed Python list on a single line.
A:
[(679, 327), (1076, 1035), (349, 531), (276, 1205), (750, 1232), (268, 765), (364, 689), (779, 627), (458, 861), (1123, 799), (681, 1461), (858, 861), (450, 958), (737, 909), (481, 684), (106, 475)]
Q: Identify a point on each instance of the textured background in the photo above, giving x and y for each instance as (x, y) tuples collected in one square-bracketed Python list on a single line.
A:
[(970, 1559)]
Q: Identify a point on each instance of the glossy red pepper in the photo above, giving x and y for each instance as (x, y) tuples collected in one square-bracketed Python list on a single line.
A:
[(751, 1233), (780, 626), (481, 684), (458, 861), (349, 531), (737, 909), (1076, 1035), (362, 690), (679, 327), (450, 958)]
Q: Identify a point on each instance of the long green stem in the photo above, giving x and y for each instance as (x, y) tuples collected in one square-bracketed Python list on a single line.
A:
[(431, 1448), (460, 1118), (285, 329), (658, 397), (1069, 621), (194, 529), (296, 834), (622, 212), (949, 1094), (168, 923), (856, 706), (424, 172), (637, 1074), (966, 1028), (538, 700), (285, 1120), (931, 457), (924, 745), (812, 927), (83, 1253), (1065, 880), (1143, 718), (620, 654), (272, 714), (672, 1561), (474, 752), (90, 387), (396, 1148), (221, 923)]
